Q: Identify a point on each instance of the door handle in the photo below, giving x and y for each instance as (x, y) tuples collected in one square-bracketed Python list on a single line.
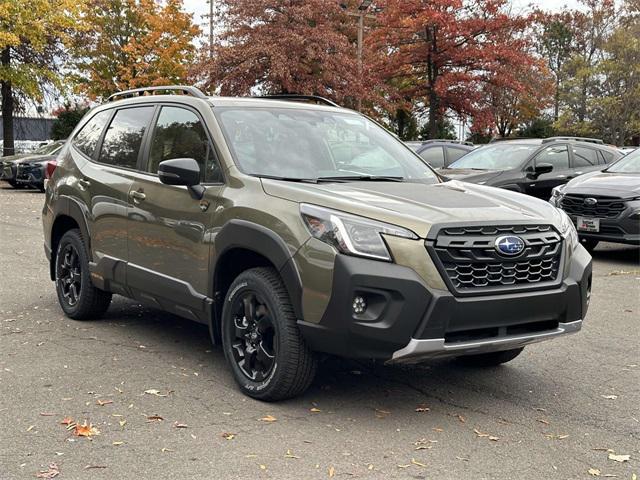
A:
[(84, 184), (137, 196)]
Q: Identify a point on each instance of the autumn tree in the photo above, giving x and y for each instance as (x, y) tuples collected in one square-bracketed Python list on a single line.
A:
[(282, 47), (451, 49), (33, 34), (134, 43)]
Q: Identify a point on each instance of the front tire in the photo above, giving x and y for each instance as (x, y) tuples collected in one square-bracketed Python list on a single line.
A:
[(78, 297), (491, 359), (261, 340)]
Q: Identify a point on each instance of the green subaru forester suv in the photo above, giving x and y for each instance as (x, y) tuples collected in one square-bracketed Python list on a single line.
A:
[(294, 229)]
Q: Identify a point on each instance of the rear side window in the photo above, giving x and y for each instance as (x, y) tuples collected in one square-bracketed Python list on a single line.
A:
[(454, 154), (121, 144), (608, 156), (434, 156), (584, 157), (87, 138), (179, 133)]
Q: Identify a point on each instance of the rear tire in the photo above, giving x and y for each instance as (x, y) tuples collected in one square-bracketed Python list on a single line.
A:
[(589, 244), (78, 297), (261, 340), (14, 184), (491, 359)]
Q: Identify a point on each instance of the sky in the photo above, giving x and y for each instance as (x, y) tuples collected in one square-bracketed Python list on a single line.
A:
[(201, 7)]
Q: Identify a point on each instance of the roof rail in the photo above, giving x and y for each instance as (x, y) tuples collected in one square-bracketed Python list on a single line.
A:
[(506, 139), (139, 92), (446, 140), (573, 139), (301, 98)]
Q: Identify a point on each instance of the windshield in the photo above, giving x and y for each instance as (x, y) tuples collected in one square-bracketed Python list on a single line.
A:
[(49, 149), (314, 144), (627, 164), (499, 156)]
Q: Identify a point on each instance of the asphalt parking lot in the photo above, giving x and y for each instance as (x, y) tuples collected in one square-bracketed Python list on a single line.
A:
[(165, 404)]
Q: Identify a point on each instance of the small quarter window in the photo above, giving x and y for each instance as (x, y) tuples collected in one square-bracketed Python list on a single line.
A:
[(87, 138), (122, 141), (454, 153), (434, 156), (584, 157)]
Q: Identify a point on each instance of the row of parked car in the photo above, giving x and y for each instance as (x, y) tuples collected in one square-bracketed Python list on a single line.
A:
[(29, 169), (588, 179)]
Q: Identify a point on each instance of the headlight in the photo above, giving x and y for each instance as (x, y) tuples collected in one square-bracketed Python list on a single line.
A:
[(557, 193), (568, 230), (351, 234)]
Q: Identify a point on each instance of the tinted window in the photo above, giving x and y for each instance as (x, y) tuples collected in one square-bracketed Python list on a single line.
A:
[(180, 134), (454, 154), (122, 141), (558, 156), (584, 157), (608, 156), (87, 139), (434, 156), (496, 156)]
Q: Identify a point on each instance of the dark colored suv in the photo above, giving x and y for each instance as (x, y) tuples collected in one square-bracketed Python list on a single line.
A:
[(605, 205), (532, 166), (293, 229)]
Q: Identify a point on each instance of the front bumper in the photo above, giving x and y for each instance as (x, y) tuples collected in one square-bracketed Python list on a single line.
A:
[(407, 322)]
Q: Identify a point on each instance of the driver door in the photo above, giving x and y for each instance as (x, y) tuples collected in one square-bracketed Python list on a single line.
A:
[(540, 186)]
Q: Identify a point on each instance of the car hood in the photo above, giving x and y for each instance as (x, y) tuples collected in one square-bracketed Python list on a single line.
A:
[(418, 206), (469, 175), (606, 183)]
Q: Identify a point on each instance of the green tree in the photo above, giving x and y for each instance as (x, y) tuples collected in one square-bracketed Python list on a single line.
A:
[(66, 120), (33, 36)]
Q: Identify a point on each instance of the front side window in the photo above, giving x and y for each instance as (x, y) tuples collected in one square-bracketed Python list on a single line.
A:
[(557, 155), (87, 138), (123, 139), (584, 157), (298, 143), (179, 133), (497, 156)]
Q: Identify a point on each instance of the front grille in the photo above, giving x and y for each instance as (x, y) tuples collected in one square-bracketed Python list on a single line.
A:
[(471, 264), (605, 207)]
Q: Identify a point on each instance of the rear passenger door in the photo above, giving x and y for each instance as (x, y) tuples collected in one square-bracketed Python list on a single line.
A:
[(169, 230), (109, 157)]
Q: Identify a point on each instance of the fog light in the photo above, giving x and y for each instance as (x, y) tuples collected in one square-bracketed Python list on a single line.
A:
[(359, 305)]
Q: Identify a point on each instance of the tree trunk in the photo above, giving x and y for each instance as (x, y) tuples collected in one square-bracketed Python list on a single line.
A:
[(434, 114), (7, 107), (556, 100)]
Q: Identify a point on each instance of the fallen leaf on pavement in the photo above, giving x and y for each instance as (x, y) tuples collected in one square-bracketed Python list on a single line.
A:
[(268, 418), (85, 430), (163, 450), (609, 397), (153, 391), (31, 428), (66, 421), (594, 471), (619, 458), (290, 454), (422, 408), (154, 418), (89, 467), (417, 463), (102, 403), (117, 444), (228, 436), (52, 472), (263, 467), (315, 410), (404, 466), (180, 425), (122, 423), (461, 418), (542, 420), (479, 433), (332, 472), (47, 414)]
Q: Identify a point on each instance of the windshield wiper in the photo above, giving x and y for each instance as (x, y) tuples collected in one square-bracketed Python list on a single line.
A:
[(288, 179), (361, 178)]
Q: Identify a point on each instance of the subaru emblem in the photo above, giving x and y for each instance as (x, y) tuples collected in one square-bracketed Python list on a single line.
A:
[(590, 202), (509, 246)]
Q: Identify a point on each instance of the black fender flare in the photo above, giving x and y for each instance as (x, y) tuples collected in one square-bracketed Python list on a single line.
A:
[(263, 241), (70, 207)]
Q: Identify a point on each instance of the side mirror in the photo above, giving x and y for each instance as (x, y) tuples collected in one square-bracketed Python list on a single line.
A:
[(182, 171), (543, 168)]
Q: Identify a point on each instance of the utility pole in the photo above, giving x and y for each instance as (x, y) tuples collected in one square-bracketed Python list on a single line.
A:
[(361, 14), (210, 18)]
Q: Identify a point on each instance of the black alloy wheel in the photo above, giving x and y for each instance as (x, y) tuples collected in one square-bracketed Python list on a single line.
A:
[(254, 348), (69, 275)]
